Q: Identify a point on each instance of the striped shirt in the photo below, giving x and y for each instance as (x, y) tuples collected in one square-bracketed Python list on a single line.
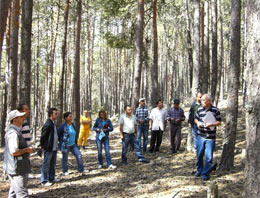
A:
[(26, 133), (142, 114), (204, 131)]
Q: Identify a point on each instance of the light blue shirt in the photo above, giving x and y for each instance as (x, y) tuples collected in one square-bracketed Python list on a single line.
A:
[(72, 135)]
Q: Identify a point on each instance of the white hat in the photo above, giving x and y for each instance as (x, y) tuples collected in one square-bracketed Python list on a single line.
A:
[(141, 99), (15, 113)]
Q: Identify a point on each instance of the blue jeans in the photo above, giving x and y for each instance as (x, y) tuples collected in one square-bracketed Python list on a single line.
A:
[(48, 166), (142, 130), (76, 152), (194, 129), (105, 141), (130, 138), (204, 146)]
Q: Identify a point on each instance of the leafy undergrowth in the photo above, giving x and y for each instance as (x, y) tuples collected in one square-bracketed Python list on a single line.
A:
[(166, 175)]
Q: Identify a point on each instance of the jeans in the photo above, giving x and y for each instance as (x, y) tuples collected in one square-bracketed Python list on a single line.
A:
[(156, 136), (204, 146), (142, 130), (194, 129), (130, 138), (76, 152), (105, 141), (48, 166), (175, 137), (18, 187)]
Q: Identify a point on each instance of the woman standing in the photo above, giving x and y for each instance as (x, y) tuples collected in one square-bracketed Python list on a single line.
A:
[(67, 143), (102, 127)]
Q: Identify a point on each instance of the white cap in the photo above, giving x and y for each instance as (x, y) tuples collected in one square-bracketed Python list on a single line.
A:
[(141, 99), (14, 114)]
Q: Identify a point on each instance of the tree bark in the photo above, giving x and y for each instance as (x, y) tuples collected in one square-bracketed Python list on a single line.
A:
[(197, 70), (252, 173), (4, 6), (227, 157), (77, 70), (62, 68), (139, 54), (26, 39), (155, 94), (214, 68)]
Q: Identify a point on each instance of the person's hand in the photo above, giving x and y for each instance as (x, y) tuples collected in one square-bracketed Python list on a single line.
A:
[(209, 125), (121, 136), (200, 124), (150, 128), (98, 130), (141, 121), (30, 149), (171, 119), (178, 120)]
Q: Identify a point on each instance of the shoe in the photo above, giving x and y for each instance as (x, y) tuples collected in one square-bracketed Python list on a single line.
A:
[(66, 174), (197, 175), (124, 163), (84, 171), (99, 166), (55, 180), (111, 166), (205, 179), (143, 160), (47, 184)]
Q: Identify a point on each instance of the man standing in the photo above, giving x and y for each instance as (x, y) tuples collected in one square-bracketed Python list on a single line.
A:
[(193, 110), (142, 118), (25, 126), (84, 129), (207, 118), (158, 122), (49, 144), (127, 124), (16, 156), (175, 116)]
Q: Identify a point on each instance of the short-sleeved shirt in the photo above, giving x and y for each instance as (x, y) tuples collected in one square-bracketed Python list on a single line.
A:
[(158, 116), (128, 123), (84, 119), (204, 131)]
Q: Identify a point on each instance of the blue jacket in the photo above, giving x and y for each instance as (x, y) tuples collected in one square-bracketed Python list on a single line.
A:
[(98, 125), (63, 133)]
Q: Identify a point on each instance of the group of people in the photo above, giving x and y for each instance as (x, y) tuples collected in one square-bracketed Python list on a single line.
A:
[(203, 119)]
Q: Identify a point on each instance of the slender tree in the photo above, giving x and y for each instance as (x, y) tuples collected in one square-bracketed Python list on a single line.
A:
[(76, 98), (252, 173), (227, 157), (26, 39), (139, 52)]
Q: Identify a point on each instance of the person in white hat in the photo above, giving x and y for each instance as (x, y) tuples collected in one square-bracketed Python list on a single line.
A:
[(16, 156)]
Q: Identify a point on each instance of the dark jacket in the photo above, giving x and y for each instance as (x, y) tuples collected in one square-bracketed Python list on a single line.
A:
[(193, 110), (47, 135), (63, 133)]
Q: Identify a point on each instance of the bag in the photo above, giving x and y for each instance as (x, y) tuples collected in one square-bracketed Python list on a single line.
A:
[(101, 135)]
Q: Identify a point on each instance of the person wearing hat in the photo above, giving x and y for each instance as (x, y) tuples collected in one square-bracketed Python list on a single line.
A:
[(175, 116), (16, 156), (142, 119)]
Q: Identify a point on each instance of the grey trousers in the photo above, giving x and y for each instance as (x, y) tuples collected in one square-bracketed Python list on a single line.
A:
[(18, 186), (175, 137)]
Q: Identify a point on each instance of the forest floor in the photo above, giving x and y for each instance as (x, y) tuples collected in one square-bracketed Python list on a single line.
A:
[(167, 175)]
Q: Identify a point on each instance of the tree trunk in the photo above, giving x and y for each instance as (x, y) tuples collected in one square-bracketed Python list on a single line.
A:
[(155, 95), (12, 87), (139, 54), (62, 68), (196, 85), (26, 37), (252, 173), (4, 6), (214, 68), (206, 62), (227, 157), (77, 71)]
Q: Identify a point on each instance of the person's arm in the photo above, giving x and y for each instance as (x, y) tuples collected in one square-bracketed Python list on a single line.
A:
[(45, 133), (121, 131), (95, 127), (146, 119), (110, 126), (22, 151), (150, 124), (213, 124), (182, 115)]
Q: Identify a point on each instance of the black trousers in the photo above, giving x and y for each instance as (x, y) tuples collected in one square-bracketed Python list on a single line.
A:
[(156, 137)]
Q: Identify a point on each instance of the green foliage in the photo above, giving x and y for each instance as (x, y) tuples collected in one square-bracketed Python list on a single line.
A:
[(119, 41)]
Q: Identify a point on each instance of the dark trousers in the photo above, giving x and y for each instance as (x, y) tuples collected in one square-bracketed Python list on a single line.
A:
[(175, 137), (156, 136)]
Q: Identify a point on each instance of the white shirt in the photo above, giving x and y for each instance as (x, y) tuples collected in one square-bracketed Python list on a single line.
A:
[(128, 123), (158, 116)]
